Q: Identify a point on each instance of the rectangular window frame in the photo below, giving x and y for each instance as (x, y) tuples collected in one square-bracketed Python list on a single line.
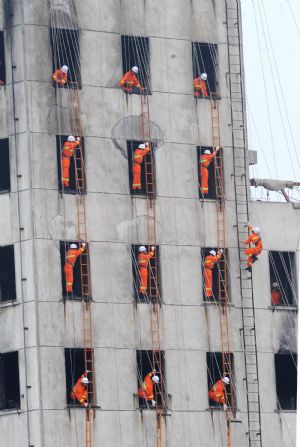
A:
[(7, 274), (139, 297), (206, 62), (74, 368), (10, 398), (224, 263), (282, 382), (77, 293), (80, 153), (2, 59), (5, 186), (215, 373), (131, 146), (144, 364), (212, 190), (136, 51), (279, 262)]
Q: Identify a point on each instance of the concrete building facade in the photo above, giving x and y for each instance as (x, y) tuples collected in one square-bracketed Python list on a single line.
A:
[(36, 217)]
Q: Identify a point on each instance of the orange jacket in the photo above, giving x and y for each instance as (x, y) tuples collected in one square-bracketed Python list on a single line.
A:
[(60, 77), (146, 389), (79, 391), (205, 159), (73, 254), (130, 80), (139, 155), (143, 259), (200, 84), (254, 239), (276, 296), (217, 392), (69, 148), (210, 260)]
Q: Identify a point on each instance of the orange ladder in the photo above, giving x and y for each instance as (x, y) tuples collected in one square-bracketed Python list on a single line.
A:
[(222, 277), (84, 260)]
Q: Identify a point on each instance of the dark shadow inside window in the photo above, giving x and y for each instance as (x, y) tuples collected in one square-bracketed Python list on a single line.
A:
[(7, 274), (283, 271), (286, 380), (79, 289), (75, 367), (4, 165), (77, 165), (215, 372), (147, 171), (146, 362), (2, 59), (219, 277), (205, 60), (9, 381), (135, 52), (153, 291)]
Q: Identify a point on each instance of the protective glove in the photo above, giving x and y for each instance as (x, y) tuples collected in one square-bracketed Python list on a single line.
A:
[(225, 407), (218, 148), (221, 250), (153, 403), (77, 138), (152, 248), (86, 404), (83, 244)]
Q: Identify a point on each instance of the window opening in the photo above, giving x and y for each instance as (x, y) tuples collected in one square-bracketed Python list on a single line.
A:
[(140, 174), (282, 277), (7, 274), (66, 51), (73, 273), (206, 174), (286, 380), (145, 366), (215, 373), (75, 368), (205, 60), (214, 280), (4, 165), (135, 52), (75, 161), (9, 381), (150, 280), (2, 60)]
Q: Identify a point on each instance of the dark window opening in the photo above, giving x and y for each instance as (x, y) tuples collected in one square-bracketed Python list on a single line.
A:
[(147, 171), (7, 274), (81, 273), (219, 278), (205, 60), (153, 282), (65, 51), (4, 165), (9, 381), (2, 60), (76, 169), (283, 272), (286, 381), (215, 174), (219, 365), (135, 52), (147, 362), (75, 367)]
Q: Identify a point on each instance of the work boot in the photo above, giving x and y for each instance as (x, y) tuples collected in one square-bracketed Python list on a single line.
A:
[(249, 269), (255, 258)]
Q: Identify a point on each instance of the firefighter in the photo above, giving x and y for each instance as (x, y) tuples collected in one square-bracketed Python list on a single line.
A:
[(68, 152), (130, 80), (71, 256), (209, 263), (79, 391), (275, 294), (217, 393), (146, 390), (205, 160), (60, 76), (253, 252), (200, 88), (138, 157), (143, 262)]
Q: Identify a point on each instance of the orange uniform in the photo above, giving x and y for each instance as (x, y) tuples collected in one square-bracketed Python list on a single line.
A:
[(60, 77), (67, 152), (276, 297), (146, 390), (71, 256), (256, 250), (79, 391), (129, 81), (209, 263), (143, 261), (217, 392), (205, 161), (200, 88), (138, 157)]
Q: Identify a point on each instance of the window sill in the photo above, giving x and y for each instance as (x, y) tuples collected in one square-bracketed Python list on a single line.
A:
[(6, 411), (290, 307), (285, 411), (10, 303), (215, 303)]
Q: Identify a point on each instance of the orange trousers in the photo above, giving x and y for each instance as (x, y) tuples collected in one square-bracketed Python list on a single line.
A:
[(69, 276), (65, 164), (208, 277), (136, 174), (204, 180), (250, 252), (143, 280)]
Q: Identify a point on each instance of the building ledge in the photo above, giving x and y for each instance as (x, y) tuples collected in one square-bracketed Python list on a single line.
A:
[(7, 412), (215, 303), (291, 307), (10, 303), (284, 411)]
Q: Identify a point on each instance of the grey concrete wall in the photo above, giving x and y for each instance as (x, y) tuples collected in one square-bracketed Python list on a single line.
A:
[(189, 327)]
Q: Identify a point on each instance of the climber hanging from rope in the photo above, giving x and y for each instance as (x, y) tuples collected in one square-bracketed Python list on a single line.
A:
[(200, 87), (205, 160), (68, 152), (143, 262), (129, 81), (60, 76), (217, 393), (146, 390), (71, 257), (138, 157), (252, 252), (209, 263)]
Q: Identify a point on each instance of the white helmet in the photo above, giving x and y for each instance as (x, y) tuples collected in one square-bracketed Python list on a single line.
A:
[(65, 69), (256, 230), (85, 380), (204, 76), (71, 138), (155, 379), (275, 284), (73, 246), (226, 380), (142, 146), (213, 252), (207, 151), (135, 69), (142, 248)]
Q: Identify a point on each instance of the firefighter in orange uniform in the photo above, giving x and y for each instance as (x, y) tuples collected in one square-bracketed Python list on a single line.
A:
[(143, 262), (130, 80), (79, 391), (60, 77), (200, 87), (138, 157), (217, 393), (205, 160), (68, 152), (275, 294), (253, 252), (146, 390), (209, 263), (71, 256)]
